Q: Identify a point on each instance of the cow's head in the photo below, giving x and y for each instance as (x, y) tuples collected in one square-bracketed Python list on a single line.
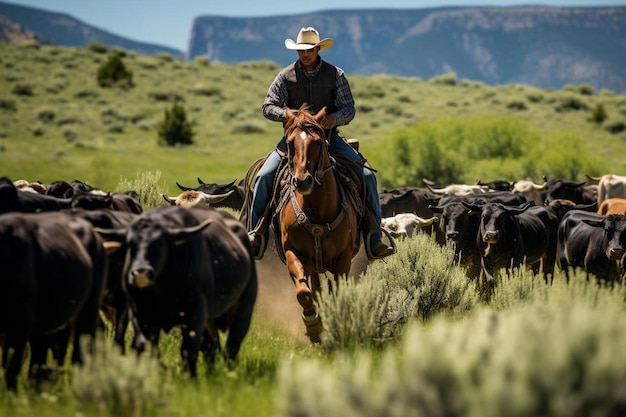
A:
[(614, 226), (494, 217), (193, 198), (147, 244)]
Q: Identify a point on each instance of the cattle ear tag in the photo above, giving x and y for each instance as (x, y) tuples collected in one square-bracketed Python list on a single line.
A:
[(111, 246)]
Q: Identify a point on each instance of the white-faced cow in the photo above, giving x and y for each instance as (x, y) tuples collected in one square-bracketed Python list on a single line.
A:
[(233, 200), (511, 236), (188, 267), (405, 224), (592, 242), (193, 198), (53, 274)]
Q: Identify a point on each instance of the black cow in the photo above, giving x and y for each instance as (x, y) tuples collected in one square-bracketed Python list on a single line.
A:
[(114, 306), (126, 201), (53, 274), (13, 199), (592, 242), (460, 226), (191, 267), (510, 236), (497, 185), (557, 188), (233, 201)]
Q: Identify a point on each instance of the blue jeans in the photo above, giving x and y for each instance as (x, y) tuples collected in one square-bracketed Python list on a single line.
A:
[(264, 180)]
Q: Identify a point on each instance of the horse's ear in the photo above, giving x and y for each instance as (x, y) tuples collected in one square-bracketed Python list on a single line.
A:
[(291, 115), (320, 114)]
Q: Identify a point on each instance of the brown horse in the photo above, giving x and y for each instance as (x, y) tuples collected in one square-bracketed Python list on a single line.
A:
[(319, 226)]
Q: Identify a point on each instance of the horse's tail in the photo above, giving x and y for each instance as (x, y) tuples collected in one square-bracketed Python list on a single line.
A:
[(248, 185)]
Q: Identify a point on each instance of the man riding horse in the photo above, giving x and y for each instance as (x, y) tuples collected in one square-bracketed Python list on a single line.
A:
[(312, 81)]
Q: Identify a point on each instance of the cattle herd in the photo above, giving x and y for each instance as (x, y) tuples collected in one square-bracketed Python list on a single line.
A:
[(504, 225), (71, 254)]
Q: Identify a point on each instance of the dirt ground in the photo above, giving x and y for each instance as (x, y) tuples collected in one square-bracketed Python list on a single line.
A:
[(276, 300)]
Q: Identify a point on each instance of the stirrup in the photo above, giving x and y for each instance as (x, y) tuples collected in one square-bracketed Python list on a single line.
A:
[(258, 256), (368, 248)]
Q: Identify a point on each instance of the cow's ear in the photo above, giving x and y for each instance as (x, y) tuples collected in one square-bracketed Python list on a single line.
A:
[(111, 235), (594, 223)]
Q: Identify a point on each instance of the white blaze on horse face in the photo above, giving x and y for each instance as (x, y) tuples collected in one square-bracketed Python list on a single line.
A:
[(303, 135)]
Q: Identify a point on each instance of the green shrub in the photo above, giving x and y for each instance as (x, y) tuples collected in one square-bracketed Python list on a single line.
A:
[(146, 186), (166, 96), (444, 79), (113, 72), (559, 355), (615, 128), (584, 89), (8, 106), (570, 104), (517, 105), (22, 90), (97, 47), (598, 114), (420, 282), (122, 385), (175, 129), (46, 115)]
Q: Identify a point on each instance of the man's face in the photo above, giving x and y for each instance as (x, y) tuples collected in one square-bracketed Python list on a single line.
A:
[(308, 57)]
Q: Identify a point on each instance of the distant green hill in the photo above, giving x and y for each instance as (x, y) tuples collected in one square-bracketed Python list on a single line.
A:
[(57, 123)]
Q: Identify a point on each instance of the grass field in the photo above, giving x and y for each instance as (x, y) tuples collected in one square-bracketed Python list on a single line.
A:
[(410, 336), (57, 123)]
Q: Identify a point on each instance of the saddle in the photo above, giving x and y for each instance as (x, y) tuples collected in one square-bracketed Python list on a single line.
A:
[(350, 183)]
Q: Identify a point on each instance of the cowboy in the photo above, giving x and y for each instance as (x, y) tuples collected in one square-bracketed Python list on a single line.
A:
[(319, 84)]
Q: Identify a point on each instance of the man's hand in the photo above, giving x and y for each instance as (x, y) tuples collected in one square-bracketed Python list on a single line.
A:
[(328, 122)]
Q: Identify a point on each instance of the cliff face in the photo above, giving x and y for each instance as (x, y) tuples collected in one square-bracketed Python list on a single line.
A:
[(547, 47), (542, 46)]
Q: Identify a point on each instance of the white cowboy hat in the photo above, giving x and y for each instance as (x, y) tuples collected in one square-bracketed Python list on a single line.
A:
[(308, 38)]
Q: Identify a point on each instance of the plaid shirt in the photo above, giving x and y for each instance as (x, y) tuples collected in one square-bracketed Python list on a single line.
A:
[(274, 104)]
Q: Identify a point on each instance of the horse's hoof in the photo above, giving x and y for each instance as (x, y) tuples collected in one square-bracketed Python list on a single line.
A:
[(313, 325)]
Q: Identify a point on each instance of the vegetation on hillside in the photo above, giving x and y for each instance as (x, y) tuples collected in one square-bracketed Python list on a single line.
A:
[(58, 123)]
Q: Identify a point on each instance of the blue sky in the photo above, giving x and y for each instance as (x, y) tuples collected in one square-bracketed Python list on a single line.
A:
[(168, 22)]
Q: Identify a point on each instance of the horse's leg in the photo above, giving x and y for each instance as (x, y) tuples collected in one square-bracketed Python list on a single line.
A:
[(305, 296)]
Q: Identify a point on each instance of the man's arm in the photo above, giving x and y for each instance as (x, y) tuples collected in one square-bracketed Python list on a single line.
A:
[(274, 104)]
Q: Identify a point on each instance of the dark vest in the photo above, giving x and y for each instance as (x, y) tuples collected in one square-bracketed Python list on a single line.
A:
[(317, 92)]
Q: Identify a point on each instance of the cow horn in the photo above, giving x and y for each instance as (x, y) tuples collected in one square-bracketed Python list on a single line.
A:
[(216, 198), (170, 200), (435, 190), (183, 188)]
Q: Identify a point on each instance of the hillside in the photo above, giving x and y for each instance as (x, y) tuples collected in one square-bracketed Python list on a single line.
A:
[(65, 30), (56, 122), (546, 47)]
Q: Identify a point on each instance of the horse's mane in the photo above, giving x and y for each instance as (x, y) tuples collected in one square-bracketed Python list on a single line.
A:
[(304, 120)]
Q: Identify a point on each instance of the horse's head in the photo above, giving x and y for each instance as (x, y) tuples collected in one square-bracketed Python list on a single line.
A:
[(306, 146)]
